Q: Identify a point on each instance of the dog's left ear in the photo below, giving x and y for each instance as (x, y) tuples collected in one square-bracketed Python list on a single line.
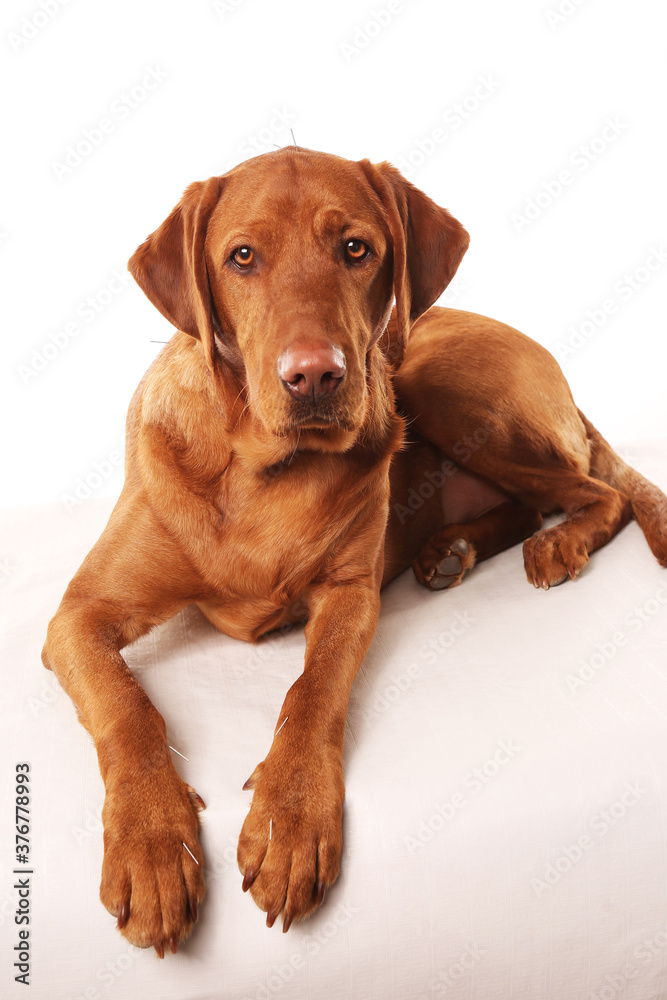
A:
[(428, 246), (170, 267)]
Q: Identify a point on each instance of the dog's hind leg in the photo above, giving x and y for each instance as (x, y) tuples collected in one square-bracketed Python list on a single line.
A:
[(497, 402), (452, 552), (649, 504)]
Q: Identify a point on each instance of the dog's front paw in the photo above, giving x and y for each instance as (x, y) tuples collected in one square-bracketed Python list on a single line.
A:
[(443, 562), (290, 845), (152, 871)]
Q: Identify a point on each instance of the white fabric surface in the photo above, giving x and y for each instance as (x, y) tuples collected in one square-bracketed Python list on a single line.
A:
[(440, 890)]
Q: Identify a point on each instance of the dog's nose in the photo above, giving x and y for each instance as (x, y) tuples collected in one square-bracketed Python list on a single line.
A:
[(311, 369)]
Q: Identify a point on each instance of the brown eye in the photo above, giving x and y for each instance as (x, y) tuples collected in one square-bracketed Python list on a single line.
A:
[(244, 257), (355, 250)]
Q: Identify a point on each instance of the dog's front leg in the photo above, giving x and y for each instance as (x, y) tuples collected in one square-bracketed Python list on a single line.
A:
[(290, 844), (152, 877)]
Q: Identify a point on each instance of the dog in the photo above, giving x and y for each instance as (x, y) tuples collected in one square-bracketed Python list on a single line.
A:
[(274, 452)]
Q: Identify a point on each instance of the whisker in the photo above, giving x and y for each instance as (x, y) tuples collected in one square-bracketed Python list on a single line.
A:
[(298, 438), (246, 403)]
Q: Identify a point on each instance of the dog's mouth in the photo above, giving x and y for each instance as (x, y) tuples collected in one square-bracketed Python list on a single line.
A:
[(325, 416), (307, 422), (328, 432), (322, 423), (327, 438)]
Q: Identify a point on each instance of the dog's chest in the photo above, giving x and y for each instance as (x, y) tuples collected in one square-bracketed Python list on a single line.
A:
[(279, 532)]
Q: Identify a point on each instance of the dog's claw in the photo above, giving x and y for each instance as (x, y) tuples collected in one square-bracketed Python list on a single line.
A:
[(250, 783), (159, 948), (271, 917), (287, 922), (197, 801), (248, 879), (319, 893), (173, 944), (123, 915)]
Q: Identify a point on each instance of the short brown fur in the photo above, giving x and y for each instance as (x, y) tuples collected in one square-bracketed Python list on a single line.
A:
[(265, 508)]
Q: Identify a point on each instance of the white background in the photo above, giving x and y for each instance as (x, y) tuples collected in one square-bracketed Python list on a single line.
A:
[(350, 87), (507, 677)]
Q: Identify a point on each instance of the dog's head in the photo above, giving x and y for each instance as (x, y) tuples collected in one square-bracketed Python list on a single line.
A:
[(286, 268)]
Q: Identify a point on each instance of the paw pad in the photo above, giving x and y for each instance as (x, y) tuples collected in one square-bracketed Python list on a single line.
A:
[(441, 567)]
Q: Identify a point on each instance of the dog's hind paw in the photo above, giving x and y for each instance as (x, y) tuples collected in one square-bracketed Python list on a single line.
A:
[(554, 555), (443, 563)]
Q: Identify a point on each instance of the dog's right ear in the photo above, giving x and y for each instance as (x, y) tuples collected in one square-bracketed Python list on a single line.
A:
[(170, 267)]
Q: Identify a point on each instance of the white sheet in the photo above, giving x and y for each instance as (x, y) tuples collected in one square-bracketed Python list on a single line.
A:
[(505, 826)]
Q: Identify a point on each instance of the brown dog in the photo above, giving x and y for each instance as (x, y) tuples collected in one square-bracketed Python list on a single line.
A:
[(260, 449)]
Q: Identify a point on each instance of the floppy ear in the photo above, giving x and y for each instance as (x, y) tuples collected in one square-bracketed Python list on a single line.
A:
[(428, 246), (170, 267)]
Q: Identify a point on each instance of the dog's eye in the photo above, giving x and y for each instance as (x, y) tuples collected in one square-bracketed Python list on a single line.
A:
[(356, 250), (244, 257)]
